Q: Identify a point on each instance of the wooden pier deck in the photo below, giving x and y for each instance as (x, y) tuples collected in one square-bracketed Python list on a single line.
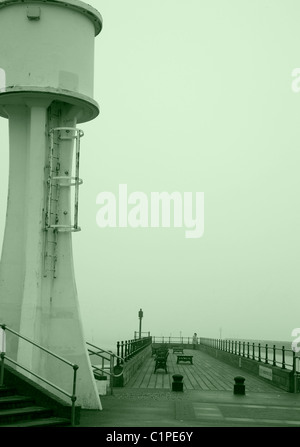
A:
[(147, 400), (206, 373)]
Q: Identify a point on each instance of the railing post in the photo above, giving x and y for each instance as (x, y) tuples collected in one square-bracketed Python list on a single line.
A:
[(274, 355), (248, 350), (243, 349), (253, 351), (73, 398), (283, 357), (122, 349), (125, 350), (118, 353), (259, 352), (111, 382), (266, 358), (239, 348), (2, 355), (295, 372)]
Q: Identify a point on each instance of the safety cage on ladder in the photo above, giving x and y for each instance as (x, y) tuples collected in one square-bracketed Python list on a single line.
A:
[(55, 182)]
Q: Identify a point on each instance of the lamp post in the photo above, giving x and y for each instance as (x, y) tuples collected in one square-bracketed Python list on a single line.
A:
[(140, 318)]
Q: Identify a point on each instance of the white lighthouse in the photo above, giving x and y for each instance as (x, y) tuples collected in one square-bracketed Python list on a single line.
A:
[(46, 91)]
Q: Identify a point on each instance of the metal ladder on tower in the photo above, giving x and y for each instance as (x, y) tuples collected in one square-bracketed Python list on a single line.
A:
[(56, 180)]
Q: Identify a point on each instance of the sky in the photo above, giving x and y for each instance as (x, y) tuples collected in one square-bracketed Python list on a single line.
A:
[(195, 96)]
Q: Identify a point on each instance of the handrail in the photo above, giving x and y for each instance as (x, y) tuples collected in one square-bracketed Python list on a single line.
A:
[(39, 377), (73, 365), (112, 355), (4, 327)]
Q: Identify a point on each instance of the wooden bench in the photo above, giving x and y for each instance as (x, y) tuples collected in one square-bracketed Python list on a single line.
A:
[(161, 363), (185, 358), (177, 350)]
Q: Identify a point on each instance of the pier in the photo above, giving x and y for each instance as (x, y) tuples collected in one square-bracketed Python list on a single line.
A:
[(207, 399)]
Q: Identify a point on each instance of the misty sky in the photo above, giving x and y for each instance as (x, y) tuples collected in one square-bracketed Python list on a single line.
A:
[(195, 96)]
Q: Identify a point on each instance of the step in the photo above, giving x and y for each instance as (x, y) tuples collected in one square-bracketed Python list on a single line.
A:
[(15, 401), (25, 413), (6, 391), (43, 422)]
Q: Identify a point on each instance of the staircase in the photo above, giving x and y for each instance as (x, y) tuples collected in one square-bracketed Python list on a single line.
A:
[(26, 403), (22, 411)]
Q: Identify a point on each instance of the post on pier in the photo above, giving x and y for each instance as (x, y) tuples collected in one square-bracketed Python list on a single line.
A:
[(140, 326)]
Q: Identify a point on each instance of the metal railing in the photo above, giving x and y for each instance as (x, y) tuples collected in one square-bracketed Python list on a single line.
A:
[(143, 334), (276, 356), (173, 340), (129, 348), (108, 362), (75, 367)]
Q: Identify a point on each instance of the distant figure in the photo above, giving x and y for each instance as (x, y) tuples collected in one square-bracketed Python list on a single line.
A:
[(195, 340)]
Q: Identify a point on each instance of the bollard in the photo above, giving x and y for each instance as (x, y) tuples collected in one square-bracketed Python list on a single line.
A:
[(177, 384), (239, 386)]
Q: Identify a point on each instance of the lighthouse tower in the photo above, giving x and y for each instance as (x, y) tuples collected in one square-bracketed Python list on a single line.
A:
[(46, 91)]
